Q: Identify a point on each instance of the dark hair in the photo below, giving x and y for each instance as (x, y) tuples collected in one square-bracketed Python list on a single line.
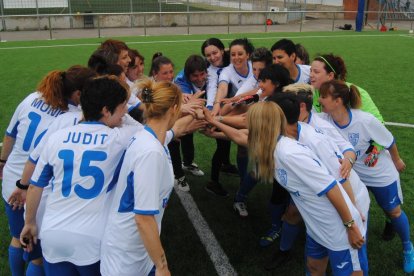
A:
[(333, 64), (58, 86), (277, 74), (114, 46), (339, 89), (262, 54), (290, 105), (194, 63), (101, 67), (216, 42), (247, 45), (286, 45), (302, 53), (101, 58), (157, 61), (212, 42), (132, 55), (105, 91)]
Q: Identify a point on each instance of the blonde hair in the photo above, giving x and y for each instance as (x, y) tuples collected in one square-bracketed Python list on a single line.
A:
[(299, 87), (266, 122), (158, 97)]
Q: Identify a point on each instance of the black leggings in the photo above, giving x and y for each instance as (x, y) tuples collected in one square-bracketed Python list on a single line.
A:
[(187, 147), (221, 156)]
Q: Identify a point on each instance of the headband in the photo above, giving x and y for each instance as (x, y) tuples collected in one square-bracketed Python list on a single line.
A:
[(327, 63)]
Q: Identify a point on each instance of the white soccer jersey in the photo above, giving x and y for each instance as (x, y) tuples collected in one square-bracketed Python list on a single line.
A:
[(84, 162), (304, 73), (328, 153), (231, 76), (307, 179), (250, 84), (213, 74), (144, 187), (27, 126), (327, 128), (363, 128)]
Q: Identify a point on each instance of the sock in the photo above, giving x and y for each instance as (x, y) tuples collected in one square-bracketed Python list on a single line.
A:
[(35, 270), (16, 261), (402, 227), (288, 236), (276, 212)]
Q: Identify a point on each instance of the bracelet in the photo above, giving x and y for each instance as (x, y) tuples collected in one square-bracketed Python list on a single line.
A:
[(3, 160), (220, 119), (21, 186), (349, 223), (352, 161), (216, 102)]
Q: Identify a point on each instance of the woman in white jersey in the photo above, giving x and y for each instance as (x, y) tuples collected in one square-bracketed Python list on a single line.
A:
[(314, 191), (84, 161), (132, 244), (57, 93), (381, 175)]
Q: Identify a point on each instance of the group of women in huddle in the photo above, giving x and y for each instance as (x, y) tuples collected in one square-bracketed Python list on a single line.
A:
[(94, 155)]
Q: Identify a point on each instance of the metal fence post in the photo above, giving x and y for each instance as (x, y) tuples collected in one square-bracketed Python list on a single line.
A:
[(70, 11), (131, 8), (228, 23), (145, 24), (301, 21), (159, 3), (38, 18), (266, 17), (239, 12), (99, 27), (50, 28), (333, 21), (3, 21), (188, 17)]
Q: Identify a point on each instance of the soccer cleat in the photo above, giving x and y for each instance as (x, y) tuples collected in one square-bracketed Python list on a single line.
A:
[(193, 168), (240, 207), (279, 258), (182, 184), (388, 233), (230, 169), (270, 237), (409, 260), (216, 188)]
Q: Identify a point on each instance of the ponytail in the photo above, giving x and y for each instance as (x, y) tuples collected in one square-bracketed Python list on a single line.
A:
[(58, 86), (338, 89), (354, 97), (51, 87)]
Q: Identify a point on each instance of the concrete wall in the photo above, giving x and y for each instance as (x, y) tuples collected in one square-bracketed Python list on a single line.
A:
[(150, 20)]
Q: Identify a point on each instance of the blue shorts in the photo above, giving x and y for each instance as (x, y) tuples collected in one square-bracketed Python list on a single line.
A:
[(36, 253), (16, 220), (344, 262), (69, 269), (152, 272), (388, 197)]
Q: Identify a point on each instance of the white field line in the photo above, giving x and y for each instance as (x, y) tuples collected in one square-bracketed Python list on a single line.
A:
[(214, 250), (399, 124), (189, 40)]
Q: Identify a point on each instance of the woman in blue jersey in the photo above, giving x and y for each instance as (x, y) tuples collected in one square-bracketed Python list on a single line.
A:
[(381, 175), (131, 244), (58, 92), (84, 162), (315, 192)]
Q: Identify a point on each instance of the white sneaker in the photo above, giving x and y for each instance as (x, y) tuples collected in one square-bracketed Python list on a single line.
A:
[(193, 168), (182, 184), (240, 207)]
